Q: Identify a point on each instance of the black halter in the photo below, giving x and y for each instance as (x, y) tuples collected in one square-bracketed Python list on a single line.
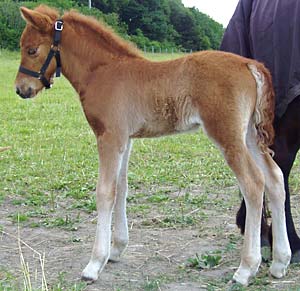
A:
[(54, 52)]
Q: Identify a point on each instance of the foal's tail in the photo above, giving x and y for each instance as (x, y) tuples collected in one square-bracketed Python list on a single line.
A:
[(263, 116)]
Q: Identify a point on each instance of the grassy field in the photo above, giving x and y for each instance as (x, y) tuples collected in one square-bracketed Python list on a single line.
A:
[(47, 185)]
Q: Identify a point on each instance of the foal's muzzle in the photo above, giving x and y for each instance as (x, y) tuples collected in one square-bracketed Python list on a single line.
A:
[(25, 94)]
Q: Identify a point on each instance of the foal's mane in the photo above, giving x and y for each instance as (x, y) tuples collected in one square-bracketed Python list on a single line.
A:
[(96, 31), (51, 12)]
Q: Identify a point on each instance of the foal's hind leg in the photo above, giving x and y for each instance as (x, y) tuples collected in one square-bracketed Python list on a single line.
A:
[(281, 246), (265, 228), (120, 235), (275, 188), (251, 182)]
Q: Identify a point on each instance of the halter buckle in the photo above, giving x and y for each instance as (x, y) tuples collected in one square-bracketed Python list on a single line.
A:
[(59, 25)]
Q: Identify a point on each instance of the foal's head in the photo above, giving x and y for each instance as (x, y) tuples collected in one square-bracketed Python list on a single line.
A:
[(35, 44)]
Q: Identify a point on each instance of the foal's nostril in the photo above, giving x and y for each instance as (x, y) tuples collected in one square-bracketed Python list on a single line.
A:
[(18, 91), (24, 94)]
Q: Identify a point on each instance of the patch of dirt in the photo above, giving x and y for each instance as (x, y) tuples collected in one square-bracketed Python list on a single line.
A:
[(154, 260)]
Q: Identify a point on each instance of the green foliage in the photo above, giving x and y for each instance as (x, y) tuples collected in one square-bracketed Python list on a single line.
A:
[(153, 23), (195, 30), (18, 218), (12, 24), (207, 261), (144, 42), (166, 21)]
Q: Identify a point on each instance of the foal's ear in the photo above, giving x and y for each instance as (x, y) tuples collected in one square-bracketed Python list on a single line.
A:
[(38, 20)]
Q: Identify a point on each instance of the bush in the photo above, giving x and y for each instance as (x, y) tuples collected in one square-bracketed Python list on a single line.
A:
[(11, 25)]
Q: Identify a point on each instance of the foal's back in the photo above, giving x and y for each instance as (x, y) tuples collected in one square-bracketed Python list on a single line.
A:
[(206, 89)]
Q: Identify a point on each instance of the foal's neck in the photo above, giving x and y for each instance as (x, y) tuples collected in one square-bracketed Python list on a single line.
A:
[(84, 51)]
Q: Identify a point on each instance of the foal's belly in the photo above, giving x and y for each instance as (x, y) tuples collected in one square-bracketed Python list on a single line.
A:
[(168, 116), (162, 128)]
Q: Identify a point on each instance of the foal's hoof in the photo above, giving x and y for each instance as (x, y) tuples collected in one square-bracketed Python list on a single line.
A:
[(295, 257), (278, 270), (87, 279), (232, 285), (241, 278), (116, 251), (114, 259), (115, 255), (89, 274)]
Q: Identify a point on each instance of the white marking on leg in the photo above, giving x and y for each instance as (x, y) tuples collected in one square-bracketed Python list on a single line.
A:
[(275, 188), (101, 247), (251, 183), (251, 256), (120, 235), (281, 246), (110, 162)]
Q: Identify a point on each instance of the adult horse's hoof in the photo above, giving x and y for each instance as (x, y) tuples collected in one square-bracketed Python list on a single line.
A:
[(295, 257)]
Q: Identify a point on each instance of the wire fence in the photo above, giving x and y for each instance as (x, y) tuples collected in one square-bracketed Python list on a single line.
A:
[(154, 50)]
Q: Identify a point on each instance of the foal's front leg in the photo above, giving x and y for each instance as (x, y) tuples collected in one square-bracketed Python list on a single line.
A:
[(120, 235), (111, 151)]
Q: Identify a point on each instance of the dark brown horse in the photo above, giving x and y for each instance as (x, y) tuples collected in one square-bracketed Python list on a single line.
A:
[(125, 96)]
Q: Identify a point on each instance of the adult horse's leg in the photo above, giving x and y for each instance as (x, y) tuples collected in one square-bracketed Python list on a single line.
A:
[(111, 150), (120, 235), (286, 146)]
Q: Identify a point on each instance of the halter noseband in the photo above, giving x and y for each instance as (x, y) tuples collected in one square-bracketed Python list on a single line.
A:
[(54, 52)]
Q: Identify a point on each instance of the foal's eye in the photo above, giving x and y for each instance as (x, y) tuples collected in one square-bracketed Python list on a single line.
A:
[(32, 51)]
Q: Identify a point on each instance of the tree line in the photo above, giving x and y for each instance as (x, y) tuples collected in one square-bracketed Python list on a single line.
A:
[(152, 23)]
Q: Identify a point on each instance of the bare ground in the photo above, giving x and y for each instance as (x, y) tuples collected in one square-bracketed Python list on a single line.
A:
[(156, 258)]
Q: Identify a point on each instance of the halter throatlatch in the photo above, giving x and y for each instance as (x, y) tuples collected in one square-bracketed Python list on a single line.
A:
[(54, 52)]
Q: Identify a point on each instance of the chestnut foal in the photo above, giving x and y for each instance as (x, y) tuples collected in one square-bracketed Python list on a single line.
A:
[(125, 96)]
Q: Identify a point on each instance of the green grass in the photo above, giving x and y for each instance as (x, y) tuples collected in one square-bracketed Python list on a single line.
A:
[(53, 158)]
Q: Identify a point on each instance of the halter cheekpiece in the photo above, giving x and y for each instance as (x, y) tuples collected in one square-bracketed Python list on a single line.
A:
[(54, 52)]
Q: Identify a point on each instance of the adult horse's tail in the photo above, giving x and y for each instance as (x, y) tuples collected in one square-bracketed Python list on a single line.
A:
[(264, 109)]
